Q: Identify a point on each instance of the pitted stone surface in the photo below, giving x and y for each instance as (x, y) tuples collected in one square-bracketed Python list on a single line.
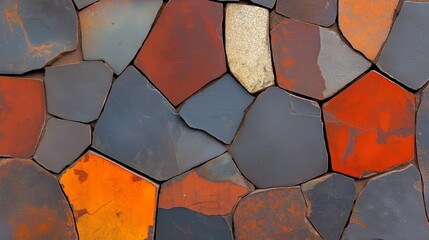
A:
[(320, 12)]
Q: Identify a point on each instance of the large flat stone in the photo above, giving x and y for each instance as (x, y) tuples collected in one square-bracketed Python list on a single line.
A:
[(265, 3), (321, 12)]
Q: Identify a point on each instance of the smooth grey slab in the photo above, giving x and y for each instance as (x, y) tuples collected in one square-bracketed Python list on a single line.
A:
[(281, 142), (265, 3), (321, 12), (139, 128), (83, 3)]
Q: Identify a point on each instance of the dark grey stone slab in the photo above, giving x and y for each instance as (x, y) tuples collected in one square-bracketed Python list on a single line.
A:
[(218, 109), (77, 92), (281, 142), (321, 12), (139, 128), (265, 3), (83, 3)]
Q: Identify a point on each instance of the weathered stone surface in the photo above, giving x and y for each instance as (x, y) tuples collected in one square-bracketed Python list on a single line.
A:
[(265, 3), (390, 207), (108, 201), (370, 126), (320, 12), (32, 204), (22, 114), (218, 109), (405, 55), (273, 214), (62, 143), (139, 128), (114, 30), (77, 92), (312, 60), (83, 3), (184, 50), (248, 46), (366, 24), (33, 33), (281, 142), (329, 203)]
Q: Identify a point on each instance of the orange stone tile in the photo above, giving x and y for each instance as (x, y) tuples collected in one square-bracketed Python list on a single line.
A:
[(108, 201), (370, 126)]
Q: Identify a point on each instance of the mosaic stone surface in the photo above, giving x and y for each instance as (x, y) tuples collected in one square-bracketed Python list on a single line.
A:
[(321, 12)]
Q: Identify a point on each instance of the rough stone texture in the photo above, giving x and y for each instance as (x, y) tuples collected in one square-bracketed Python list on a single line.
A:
[(33, 33), (312, 60), (273, 214), (329, 203), (32, 204), (184, 50), (218, 109), (108, 201), (321, 12), (248, 46), (366, 24), (83, 3), (370, 126), (281, 142), (139, 128), (405, 55), (77, 92), (22, 114), (62, 143), (114, 30), (390, 207), (265, 3)]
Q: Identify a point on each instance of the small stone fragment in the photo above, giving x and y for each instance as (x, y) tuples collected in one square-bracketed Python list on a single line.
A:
[(320, 12), (83, 3), (265, 3)]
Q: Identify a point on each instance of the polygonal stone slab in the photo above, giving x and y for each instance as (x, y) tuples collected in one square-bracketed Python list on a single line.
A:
[(32, 203), (108, 201), (312, 60), (405, 55), (83, 3), (114, 30), (62, 143), (34, 33), (184, 50), (329, 203), (77, 92), (139, 128), (218, 109), (320, 12), (265, 3), (370, 126), (390, 207), (281, 142)]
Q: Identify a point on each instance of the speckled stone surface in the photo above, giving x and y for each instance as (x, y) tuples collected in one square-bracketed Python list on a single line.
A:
[(321, 12)]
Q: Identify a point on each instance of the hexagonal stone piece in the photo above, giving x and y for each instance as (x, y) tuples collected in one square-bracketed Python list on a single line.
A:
[(265, 3), (218, 109), (248, 46), (184, 50), (62, 143), (390, 207), (109, 201), (32, 203), (22, 104), (320, 12), (114, 30), (83, 3), (312, 60), (406, 52), (34, 33), (281, 142), (273, 214), (77, 92), (329, 203), (366, 24), (139, 128)]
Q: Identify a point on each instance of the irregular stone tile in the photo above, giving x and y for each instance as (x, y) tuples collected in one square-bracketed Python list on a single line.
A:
[(312, 60), (62, 143), (184, 50), (139, 128), (366, 24), (34, 33), (281, 142), (320, 12), (329, 203), (405, 55), (22, 114), (77, 92), (218, 109), (32, 203), (248, 46), (390, 207), (265, 3), (370, 126), (83, 3), (273, 214), (108, 201), (114, 30)]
